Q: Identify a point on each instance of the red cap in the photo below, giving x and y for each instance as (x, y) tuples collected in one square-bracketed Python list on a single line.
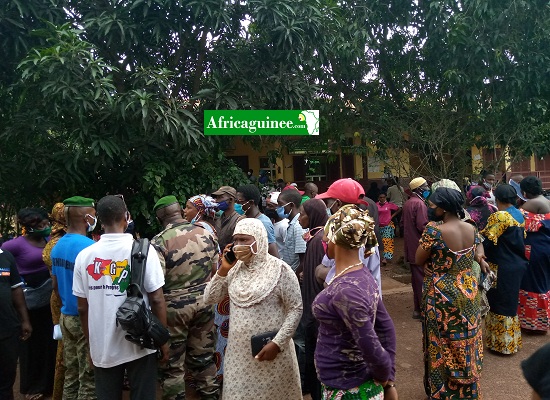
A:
[(347, 190), (290, 187)]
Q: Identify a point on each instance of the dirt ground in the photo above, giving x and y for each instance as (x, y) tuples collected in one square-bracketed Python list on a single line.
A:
[(501, 377)]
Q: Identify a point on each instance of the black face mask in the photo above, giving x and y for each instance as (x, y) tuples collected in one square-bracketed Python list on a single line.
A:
[(432, 216), (270, 213)]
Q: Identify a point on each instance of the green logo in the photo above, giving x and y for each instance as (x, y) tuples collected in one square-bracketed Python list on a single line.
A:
[(261, 122)]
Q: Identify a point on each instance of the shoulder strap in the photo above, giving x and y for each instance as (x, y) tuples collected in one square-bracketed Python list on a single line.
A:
[(140, 249)]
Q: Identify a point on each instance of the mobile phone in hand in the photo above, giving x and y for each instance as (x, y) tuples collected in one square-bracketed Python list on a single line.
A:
[(230, 255)]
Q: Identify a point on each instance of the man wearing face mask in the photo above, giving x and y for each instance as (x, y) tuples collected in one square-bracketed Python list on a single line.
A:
[(188, 254), (248, 198), (79, 376), (225, 196), (488, 181), (279, 224), (102, 273), (348, 191), (415, 218)]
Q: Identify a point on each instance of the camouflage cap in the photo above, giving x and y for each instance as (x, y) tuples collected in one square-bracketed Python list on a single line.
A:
[(79, 201), (351, 227), (165, 202)]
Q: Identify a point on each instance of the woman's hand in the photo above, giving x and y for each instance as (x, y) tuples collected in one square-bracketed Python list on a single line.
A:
[(226, 266), (268, 353), (428, 269), (483, 264)]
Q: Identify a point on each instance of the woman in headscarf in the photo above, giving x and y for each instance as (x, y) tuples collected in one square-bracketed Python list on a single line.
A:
[(264, 296), (37, 354), (313, 216), (451, 320), (505, 251), (355, 354), (479, 208), (59, 228), (534, 296), (201, 209)]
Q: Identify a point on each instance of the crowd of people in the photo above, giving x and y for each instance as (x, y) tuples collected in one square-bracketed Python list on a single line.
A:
[(278, 297)]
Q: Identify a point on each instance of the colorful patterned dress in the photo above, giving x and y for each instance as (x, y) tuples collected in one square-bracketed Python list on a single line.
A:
[(453, 346), (534, 296), (387, 227), (505, 251)]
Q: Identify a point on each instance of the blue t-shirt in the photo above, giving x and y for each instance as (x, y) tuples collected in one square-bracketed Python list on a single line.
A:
[(268, 227), (63, 257)]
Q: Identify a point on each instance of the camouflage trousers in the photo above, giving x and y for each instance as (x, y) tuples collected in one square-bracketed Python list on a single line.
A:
[(192, 347), (79, 376)]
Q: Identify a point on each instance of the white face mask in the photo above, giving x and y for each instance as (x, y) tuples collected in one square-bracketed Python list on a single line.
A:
[(90, 227), (244, 252)]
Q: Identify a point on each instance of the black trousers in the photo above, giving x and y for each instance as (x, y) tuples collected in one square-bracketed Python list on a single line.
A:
[(312, 382), (9, 349), (142, 374)]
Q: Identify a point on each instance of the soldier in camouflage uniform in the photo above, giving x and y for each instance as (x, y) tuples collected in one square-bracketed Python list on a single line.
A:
[(188, 254)]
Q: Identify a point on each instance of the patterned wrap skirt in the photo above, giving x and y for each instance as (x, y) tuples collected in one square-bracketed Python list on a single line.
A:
[(388, 234), (366, 391)]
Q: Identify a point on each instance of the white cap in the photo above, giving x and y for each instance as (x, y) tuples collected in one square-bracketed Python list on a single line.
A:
[(273, 196)]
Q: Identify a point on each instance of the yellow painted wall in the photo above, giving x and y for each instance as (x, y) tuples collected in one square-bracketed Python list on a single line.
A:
[(285, 169)]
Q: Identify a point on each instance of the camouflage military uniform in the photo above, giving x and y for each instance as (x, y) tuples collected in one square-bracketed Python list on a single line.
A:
[(188, 253)]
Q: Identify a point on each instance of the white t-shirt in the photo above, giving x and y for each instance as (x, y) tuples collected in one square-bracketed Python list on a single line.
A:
[(101, 275), (280, 233)]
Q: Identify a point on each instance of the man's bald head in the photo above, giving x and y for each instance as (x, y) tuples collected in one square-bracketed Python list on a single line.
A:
[(517, 178), (311, 189)]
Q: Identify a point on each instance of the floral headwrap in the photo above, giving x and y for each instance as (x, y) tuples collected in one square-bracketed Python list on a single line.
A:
[(57, 218), (446, 183), (206, 205), (351, 227)]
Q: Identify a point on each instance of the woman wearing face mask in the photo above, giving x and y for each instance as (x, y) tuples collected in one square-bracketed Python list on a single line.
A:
[(37, 354), (313, 216), (201, 209), (479, 209), (355, 353), (264, 296), (451, 320)]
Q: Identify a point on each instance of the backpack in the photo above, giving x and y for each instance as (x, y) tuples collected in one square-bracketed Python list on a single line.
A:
[(134, 316)]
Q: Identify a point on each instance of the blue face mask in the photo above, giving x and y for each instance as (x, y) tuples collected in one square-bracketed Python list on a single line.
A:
[(222, 205), (281, 211), (239, 209)]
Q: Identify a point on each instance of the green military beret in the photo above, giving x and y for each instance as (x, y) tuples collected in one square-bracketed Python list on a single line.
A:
[(78, 201), (165, 202)]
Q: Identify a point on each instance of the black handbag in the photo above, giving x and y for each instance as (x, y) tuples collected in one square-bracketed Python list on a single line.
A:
[(133, 316), (38, 297)]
